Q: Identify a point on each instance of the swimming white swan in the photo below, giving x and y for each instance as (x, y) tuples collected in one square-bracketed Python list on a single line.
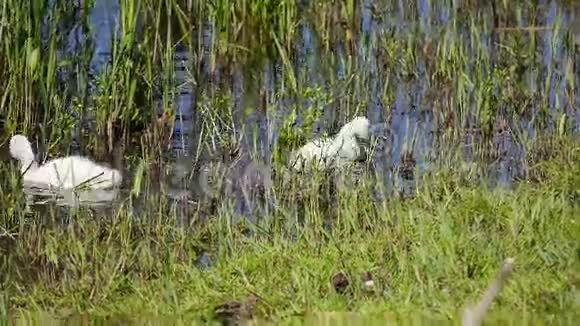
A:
[(344, 148), (61, 173)]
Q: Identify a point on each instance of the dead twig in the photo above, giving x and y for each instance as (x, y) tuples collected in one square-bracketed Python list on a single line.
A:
[(524, 29), (473, 316), (5, 233)]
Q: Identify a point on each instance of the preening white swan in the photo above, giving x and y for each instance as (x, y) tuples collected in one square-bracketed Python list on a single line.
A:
[(345, 147), (61, 173)]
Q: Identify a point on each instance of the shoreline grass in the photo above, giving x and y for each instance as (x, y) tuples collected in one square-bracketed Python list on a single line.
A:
[(430, 254), (485, 88)]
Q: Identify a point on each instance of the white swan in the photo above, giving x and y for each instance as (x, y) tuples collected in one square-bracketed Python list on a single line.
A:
[(61, 173), (344, 148)]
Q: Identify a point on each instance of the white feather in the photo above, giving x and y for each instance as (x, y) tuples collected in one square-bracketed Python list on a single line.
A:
[(344, 148), (61, 173)]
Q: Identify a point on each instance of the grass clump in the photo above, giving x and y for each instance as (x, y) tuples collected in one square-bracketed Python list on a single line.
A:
[(429, 254), (256, 79)]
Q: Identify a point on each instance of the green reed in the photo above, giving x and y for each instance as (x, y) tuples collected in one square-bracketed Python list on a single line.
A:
[(428, 253)]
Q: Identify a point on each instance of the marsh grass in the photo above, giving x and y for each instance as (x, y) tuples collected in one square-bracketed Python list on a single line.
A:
[(430, 254), (478, 76)]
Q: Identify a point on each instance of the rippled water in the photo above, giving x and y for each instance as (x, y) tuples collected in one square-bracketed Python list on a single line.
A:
[(409, 116)]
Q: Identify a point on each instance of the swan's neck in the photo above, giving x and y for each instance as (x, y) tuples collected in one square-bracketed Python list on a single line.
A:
[(27, 165)]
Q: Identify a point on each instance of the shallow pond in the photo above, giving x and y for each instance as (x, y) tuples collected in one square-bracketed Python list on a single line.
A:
[(392, 61)]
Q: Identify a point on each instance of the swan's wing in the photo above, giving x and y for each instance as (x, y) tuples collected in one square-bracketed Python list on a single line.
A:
[(78, 171), (315, 151)]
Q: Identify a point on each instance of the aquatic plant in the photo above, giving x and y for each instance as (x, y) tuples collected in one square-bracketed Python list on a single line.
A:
[(479, 160)]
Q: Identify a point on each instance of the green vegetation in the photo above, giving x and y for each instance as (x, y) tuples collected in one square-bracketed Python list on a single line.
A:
[(429, 253)]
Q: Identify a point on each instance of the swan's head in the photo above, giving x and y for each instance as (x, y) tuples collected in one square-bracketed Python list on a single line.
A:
[(20, 148), (358, 128)]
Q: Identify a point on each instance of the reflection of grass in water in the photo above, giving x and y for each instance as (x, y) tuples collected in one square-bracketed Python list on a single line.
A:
[(470, 90), (429, 253)]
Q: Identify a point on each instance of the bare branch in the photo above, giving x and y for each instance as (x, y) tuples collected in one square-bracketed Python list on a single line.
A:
[(473, 316), (524, 29)]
